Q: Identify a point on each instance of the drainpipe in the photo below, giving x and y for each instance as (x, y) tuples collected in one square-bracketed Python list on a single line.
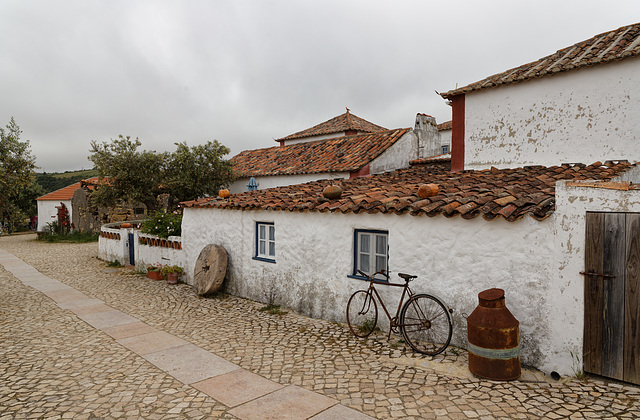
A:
[(457, 133)]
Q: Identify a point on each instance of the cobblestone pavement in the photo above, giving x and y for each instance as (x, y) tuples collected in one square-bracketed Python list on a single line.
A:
[(53, 364)]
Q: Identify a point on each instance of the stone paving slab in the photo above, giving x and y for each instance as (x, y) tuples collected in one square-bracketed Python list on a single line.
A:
[(89, 309), (237, 387), (129, 330), (190, 363), (48, 285), (79, 303), (290, 403), (152, 342), (340, 412), (66, 295), (107, 319)]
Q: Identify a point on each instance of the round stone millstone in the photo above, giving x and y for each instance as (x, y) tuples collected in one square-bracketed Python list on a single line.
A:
[(210, 270)]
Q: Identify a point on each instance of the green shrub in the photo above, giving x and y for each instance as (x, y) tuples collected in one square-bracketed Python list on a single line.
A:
[(73, 237), (163, 224)]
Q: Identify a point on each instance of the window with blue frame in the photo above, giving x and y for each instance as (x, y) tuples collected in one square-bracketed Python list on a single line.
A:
[(445, 149), (265, 242), (371, 249)]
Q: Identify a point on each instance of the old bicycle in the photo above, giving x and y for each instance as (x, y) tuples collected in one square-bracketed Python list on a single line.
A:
[(424, 320)]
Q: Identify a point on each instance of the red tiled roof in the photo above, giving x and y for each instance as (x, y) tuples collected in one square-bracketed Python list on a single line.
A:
[(62, 194), (65, 193), (507, 193), (340, 154), (610, 46), (445, 126), (445, 157), (344, 122)]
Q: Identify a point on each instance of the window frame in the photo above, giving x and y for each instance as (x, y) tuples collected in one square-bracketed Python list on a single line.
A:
[(266, 256), (356, 252)]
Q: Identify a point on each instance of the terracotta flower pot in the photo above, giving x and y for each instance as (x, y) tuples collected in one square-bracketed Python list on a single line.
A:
[(155, 275), (172, 278)]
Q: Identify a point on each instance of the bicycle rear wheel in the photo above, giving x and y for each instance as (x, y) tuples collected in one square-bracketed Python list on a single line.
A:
[(426, 324), (362, 313)]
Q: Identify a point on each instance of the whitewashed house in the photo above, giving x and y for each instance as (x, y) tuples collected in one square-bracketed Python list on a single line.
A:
[(48, 205), (580, 104), (343, 147), (493, 228)]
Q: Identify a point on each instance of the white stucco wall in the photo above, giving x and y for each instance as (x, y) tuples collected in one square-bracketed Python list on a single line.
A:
[(567, 301), (397, 156), (118, 249), (146, 254), (454, 258), (112, 250), (240, 185), (47, 212), (585, 116), (445, 138)]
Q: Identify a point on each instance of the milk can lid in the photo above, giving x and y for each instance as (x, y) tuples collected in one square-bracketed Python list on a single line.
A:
[(491, 294)]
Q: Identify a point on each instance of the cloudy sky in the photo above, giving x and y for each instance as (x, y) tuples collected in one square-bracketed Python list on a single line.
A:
[(247, 72)]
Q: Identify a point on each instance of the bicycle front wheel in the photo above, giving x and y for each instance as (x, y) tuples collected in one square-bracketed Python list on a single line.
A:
[(426, 324), (362, 313)]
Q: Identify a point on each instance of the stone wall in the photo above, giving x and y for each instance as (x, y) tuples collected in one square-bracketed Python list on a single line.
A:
[(87, 217)]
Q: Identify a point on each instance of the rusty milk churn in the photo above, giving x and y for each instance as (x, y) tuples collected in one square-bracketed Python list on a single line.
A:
[(494, 338)]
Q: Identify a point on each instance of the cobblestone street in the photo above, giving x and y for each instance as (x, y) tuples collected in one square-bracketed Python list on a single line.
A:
[(79, 339)]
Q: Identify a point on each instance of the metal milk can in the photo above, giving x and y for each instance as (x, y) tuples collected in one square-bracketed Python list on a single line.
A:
[(494, 338)]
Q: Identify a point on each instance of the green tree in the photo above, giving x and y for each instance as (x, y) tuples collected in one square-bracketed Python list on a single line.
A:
[(16, 172), (140, 176), (134, 176), (197, 171)]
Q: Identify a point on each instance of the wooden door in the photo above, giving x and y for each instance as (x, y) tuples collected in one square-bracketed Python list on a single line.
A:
[(612, 297)]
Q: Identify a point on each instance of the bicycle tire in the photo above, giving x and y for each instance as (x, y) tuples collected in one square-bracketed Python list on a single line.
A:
[(426, 324), (362, 313)]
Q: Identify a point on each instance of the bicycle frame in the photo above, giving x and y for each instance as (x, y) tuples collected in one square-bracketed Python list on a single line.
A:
[(423, 319), (393, 321)]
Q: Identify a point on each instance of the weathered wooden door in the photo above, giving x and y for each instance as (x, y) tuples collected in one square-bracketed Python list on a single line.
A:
[(612, 296)]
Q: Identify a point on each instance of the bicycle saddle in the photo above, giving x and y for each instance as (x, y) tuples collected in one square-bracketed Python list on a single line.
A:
[(407, 277)]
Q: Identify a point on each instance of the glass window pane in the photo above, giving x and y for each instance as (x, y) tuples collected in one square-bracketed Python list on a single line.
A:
[(364, 242), (261, 235), (364, 263), (381, 244), (262, 248), (381, 263), (272, 233), (272, 249)]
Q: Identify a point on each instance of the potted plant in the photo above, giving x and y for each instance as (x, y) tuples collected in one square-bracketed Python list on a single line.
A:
[(172, 272), (154, 271)]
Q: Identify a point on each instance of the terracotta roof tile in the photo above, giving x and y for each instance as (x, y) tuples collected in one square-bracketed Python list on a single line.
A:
[(507, 193), (340, 154), (339, 124), (67, 192), (447, 125), (610, 46), (443, 158)]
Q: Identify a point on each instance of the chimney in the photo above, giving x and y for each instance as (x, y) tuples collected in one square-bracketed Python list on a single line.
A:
[(428, 138)]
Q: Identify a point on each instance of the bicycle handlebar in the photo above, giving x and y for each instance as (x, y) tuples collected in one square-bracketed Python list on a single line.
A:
[(383, 272)]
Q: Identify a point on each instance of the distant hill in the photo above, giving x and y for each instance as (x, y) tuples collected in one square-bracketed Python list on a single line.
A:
[(53, 181)]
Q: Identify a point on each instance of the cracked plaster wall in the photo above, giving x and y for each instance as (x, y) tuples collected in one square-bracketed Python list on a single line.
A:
[(454, 258), (584, 116)]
